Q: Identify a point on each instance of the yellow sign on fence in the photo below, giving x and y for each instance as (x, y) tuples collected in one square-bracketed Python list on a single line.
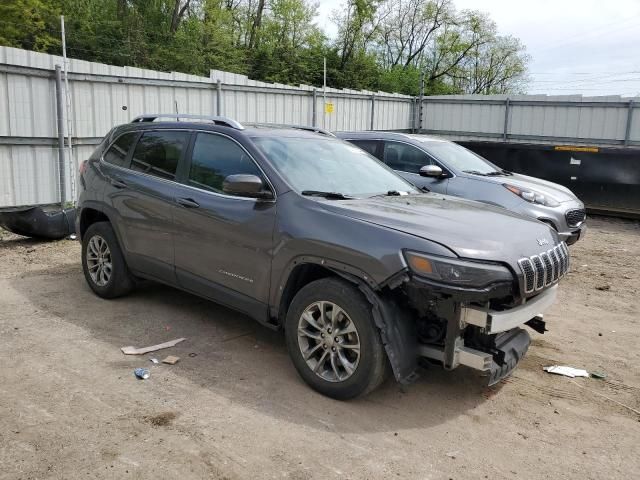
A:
[(328, 107), (572, 148)]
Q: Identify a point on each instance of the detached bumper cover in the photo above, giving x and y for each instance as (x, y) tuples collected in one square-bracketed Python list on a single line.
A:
[(39, 222), (513, 345)]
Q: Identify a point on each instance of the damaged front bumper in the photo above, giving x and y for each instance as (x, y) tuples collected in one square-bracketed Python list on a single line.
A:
[(489, 340)]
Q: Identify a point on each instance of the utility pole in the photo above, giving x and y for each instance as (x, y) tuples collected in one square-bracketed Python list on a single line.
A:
[(72, 170)]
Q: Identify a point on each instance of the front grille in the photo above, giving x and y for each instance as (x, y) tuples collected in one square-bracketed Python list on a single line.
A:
[(575, 217), (544, 269)]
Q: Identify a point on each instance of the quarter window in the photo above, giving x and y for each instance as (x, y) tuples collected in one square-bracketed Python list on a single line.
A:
[(117, 153), (214, 158), (158, 153), (405, 157), (369, 146)]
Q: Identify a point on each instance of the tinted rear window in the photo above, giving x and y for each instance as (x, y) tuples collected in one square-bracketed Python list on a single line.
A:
[(117, 153), (158, 153)]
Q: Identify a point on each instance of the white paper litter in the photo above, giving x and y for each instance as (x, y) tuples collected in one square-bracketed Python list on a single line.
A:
[(141, 351), (566, 371), (154, 360)]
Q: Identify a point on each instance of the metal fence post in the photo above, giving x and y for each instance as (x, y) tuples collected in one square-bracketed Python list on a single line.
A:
[(314, 108), (506, 119), (421, 99), (373, 109), (60, 126), (218, 97), (627, 133)]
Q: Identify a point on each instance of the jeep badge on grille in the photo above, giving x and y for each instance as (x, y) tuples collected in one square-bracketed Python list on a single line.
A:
[(542, 241)]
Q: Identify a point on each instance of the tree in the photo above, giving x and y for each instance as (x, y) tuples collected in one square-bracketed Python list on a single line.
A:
[(27, 24), (381, 44)]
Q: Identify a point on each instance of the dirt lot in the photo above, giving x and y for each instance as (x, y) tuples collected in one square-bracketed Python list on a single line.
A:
[(233, 407)]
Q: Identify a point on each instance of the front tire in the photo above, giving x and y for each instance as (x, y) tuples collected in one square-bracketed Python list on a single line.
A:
[(333, 341), (105, 269)]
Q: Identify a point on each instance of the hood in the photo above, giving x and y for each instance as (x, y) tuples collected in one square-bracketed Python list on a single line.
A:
[(549, 189), (470, 229)]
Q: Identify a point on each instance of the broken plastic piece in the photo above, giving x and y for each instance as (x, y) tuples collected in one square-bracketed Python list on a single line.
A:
[(153, 348), (154, 360), (598, 375), (566, 371)]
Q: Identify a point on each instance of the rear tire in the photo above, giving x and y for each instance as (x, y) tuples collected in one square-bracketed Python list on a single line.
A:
[(105, 269), (325, 322)]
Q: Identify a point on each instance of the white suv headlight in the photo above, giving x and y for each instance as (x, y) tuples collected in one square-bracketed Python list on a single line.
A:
[(532, 196)]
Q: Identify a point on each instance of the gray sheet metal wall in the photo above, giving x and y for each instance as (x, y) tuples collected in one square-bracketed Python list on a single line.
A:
[(103, 96), (603, 121)]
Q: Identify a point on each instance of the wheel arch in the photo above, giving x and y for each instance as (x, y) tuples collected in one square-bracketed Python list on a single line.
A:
[(90, 215), (396, 327)]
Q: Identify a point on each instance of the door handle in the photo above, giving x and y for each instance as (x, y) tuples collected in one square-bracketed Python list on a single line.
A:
[(187, 202), (117, 183)]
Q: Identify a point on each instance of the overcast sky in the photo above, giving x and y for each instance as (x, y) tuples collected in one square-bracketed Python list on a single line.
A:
[(590, 47)]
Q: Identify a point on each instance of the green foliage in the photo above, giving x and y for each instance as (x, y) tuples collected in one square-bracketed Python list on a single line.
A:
[(24, 24), (380, 45)]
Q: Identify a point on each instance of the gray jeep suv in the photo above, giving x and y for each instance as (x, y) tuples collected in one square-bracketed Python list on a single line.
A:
[(308, 233), (445, 167)]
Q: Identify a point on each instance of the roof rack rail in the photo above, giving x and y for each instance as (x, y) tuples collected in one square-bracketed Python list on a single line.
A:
[(319, 130), (218, 120)]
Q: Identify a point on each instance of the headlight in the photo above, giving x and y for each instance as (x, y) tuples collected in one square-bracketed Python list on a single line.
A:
[(457, 272), (532, 196)]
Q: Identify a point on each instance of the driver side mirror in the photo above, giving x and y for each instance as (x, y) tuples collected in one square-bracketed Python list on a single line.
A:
[(246, 186), (431, 171)]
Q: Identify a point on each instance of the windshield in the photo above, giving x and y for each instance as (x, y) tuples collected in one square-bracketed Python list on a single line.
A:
[(317, 164), (455, 156)]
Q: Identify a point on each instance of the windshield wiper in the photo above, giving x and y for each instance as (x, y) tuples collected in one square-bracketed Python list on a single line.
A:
[(475, 172), (499, 172), (390, 193), (329, 195)]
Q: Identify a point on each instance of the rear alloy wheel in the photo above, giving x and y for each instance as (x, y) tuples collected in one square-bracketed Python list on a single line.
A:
[(103, 264), (333, 341), (99, 261)]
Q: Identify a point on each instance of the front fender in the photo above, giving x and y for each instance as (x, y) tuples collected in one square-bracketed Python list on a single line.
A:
[(397, 330)]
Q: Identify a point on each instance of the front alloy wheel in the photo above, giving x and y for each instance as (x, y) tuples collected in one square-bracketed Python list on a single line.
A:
[(333, 340), (329, 341)]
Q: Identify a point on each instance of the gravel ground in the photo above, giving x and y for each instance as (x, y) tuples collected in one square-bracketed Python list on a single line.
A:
[(233, 407)]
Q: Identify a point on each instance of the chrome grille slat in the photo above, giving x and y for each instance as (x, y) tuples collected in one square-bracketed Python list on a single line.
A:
[(548, 266), (541, 271), (544, 269), (563, 261), (529, 274), (557, 252), (557, 263)]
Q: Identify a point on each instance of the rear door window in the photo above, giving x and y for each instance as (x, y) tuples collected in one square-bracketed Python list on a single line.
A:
[(117, 153), (158, 153), (369, 146), (405, 157), (214, 158)]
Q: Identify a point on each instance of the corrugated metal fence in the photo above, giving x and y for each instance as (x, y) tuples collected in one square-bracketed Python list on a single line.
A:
[(540, 119), (103, 96)]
